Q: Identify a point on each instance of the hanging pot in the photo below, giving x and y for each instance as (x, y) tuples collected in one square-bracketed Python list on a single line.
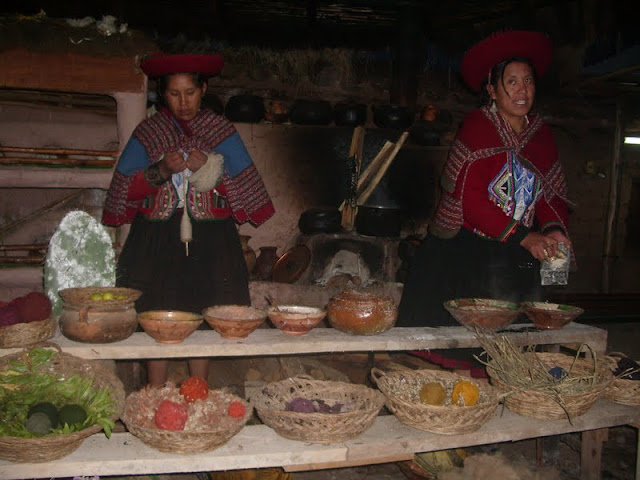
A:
[(245, 108), (379, 221), (392, 116), (349, 114), (311, 112), (320, 220)]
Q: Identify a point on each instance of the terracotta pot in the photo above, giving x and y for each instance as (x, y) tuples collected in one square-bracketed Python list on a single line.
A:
[(349, 114), (361, 313), (98, 324), (265, 262), (169, 326)]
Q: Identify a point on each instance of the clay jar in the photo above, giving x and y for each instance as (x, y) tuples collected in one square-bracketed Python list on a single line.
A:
[(98, 324), (264, 263), (361, 313)]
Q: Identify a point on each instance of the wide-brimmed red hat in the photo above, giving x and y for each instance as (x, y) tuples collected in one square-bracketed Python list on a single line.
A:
[(479, 59), (159, 64)]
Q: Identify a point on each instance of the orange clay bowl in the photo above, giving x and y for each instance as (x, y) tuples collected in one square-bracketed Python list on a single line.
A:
[(550, 316), (483, 313), (234, 321), (295, 319), (361, 313), (169, 326)]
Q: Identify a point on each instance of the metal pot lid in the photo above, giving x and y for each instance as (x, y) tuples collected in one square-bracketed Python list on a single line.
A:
[(291, 265)]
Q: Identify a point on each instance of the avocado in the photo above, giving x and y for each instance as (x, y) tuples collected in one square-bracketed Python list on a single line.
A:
[(39, 424), (71, 415), (47, 408)]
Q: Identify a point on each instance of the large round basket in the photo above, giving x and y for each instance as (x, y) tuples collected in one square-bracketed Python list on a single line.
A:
[(26, 334), (556, 402), (360, 407), (402, 389), (208, 426), (54, 446), (622, 390)]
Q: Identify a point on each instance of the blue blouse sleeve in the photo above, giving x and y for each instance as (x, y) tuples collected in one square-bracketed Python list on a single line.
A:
[(236, 156), (133, 158)]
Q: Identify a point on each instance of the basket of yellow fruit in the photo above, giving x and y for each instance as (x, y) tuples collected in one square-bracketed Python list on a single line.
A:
[(98, 314), (437, 401)]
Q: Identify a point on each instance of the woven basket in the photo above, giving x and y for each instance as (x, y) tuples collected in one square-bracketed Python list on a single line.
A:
[(362, 405), (81, 296), (52, 447), (622, 390), (402, 389), (26, 334), (547, 404), (209, 426)]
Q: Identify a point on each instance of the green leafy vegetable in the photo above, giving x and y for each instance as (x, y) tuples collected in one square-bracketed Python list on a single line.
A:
[(31, 380)]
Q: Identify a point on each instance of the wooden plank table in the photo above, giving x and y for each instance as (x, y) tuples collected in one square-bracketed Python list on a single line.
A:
[(259, 446), (270, 341)]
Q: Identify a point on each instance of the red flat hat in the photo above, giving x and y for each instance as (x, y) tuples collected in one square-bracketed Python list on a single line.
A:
[(159, 64), (479, 59)]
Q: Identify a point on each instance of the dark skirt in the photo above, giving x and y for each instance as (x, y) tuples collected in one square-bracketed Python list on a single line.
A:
[(466, 266), (154, 261)]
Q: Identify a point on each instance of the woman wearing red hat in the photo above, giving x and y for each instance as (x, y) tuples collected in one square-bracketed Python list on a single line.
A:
[(503, 207), (183, 181)]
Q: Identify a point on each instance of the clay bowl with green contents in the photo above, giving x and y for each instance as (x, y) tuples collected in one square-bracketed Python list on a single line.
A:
[(483, 313), (550, 316)]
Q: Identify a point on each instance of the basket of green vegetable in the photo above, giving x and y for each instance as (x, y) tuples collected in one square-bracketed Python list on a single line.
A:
[(51, 401)]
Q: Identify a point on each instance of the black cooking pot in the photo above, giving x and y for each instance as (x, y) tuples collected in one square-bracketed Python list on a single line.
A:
[(393, 116), (423, 133), (311, 112), (379, 221), (320, 220), (245, 108), (349, 114)]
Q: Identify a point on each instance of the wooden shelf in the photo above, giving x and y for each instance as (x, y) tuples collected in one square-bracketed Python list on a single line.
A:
[(258, 446), (42, 177), (270, 341)]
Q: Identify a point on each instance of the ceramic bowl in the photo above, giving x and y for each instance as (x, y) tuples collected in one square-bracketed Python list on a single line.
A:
[(234, 321), (483, 313), (550, 316), (295, 319), (169, 326), (361, 313)]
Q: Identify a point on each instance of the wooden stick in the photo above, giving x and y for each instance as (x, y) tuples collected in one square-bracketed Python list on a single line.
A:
[(364, 196), (374, 164), (355, 150), (28, 246), (40, 211), (69, 162), (17, 259), (60, 151)]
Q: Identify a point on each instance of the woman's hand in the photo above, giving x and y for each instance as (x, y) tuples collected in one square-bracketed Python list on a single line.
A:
[(195, 160), (540, 246), (559, 237), (173, 162)]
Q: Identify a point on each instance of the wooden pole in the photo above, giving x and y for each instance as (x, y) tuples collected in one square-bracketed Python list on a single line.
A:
[(614, 181)]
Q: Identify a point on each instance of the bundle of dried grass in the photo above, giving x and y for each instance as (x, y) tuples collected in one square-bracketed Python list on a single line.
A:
[(543, 385)]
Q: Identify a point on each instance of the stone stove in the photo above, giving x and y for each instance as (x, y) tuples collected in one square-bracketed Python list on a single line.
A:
[(349, 259)]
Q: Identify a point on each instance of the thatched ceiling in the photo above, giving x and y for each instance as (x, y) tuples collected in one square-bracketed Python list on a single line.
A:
[(598, 47)]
